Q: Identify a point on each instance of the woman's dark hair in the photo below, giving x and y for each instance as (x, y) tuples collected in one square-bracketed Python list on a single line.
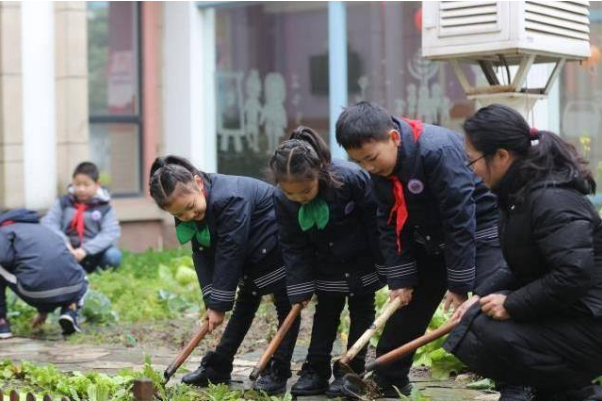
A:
[(539, 153), (89, 169), (303, 156), (165, 175)]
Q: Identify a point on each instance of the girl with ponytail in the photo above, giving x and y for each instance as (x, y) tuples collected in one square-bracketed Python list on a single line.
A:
[(537, 323), (326, 220), (231, 225)]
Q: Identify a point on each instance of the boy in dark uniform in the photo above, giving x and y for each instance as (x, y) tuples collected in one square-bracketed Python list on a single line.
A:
[(437, 221)]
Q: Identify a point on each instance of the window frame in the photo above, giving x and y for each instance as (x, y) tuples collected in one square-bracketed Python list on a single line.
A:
[(133, 119)]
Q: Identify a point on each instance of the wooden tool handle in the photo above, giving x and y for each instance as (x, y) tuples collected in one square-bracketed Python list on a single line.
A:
[(413, 345), (391, 308), (276, 341), (185, 353)]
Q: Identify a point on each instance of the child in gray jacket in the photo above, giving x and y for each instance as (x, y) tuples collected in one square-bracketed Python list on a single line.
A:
[(35, 265), (86, 220)]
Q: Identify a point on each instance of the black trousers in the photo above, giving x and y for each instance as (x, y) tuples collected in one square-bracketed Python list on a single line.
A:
[(245, 307), (43, 305), (412, 320), (555, 355), (326, 323)]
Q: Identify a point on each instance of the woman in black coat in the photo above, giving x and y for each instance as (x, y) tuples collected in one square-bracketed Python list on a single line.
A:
[(539, 322)]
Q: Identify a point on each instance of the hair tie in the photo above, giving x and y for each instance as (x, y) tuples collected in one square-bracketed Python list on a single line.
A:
[(534, 136)]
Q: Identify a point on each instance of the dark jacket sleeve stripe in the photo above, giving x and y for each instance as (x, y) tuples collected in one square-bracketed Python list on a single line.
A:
[(399, 268), (297, 251), (233, 226), (453, 185), (203, 273), (366, 201)]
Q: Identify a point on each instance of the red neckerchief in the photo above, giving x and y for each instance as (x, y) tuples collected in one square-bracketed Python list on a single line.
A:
[(7, 223), (77, 223), (400, 209)]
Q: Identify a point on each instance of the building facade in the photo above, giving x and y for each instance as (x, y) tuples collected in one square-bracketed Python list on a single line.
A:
[(222, 83)]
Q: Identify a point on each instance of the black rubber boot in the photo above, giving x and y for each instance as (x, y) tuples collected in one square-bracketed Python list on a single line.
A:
[(214, 369), (592, 392), (513, 392), (312, 380), (273, 379)]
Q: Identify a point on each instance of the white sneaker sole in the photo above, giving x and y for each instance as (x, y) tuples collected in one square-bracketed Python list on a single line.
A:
[(68, 324), (4, 336)]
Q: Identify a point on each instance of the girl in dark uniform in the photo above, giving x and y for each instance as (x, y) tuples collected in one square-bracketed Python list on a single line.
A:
[(231, 225), (539, 322), (326, 220)]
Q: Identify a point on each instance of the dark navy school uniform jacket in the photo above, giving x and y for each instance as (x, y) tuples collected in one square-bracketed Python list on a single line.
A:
[(36, 260), (244, 241), (449, 208), (340, 258)]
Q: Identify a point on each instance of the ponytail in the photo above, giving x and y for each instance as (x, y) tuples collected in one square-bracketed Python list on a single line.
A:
[(304, 156), (165, 175), (538, 153)]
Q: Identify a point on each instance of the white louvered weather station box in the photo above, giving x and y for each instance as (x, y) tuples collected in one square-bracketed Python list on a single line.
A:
[(494, 34)]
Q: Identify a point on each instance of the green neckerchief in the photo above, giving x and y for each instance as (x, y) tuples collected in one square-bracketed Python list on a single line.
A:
[(185, 231), (313, 213)]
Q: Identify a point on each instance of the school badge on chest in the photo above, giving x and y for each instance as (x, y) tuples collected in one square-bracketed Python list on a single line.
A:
[(415, 186), (96, 215)]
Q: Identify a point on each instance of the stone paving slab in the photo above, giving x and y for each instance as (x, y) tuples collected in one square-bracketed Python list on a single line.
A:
[(110, 359)]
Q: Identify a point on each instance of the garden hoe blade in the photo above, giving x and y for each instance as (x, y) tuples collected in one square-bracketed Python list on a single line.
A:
[(276, 341), (343, 363), (185, 353), (354, 386)]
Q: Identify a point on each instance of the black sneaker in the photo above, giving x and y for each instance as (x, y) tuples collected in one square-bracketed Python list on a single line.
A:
[(512, 392), (5, 329), (69, 320), (310, 382), (273, 379), (213, 369)]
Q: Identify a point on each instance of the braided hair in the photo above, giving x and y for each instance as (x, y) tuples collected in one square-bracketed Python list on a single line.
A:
[(168, 174), (305, 156)]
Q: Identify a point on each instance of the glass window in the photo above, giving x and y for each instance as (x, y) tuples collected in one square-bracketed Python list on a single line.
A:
[(385, 65), (581, 100), (114, 88), (272, 75)]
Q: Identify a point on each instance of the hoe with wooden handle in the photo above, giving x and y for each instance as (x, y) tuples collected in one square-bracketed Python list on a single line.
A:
[(354, 385), (390, 309), (185, 353), (276, 341)]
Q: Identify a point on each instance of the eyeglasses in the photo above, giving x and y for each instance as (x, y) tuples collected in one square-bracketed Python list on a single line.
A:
[(470, 163)]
